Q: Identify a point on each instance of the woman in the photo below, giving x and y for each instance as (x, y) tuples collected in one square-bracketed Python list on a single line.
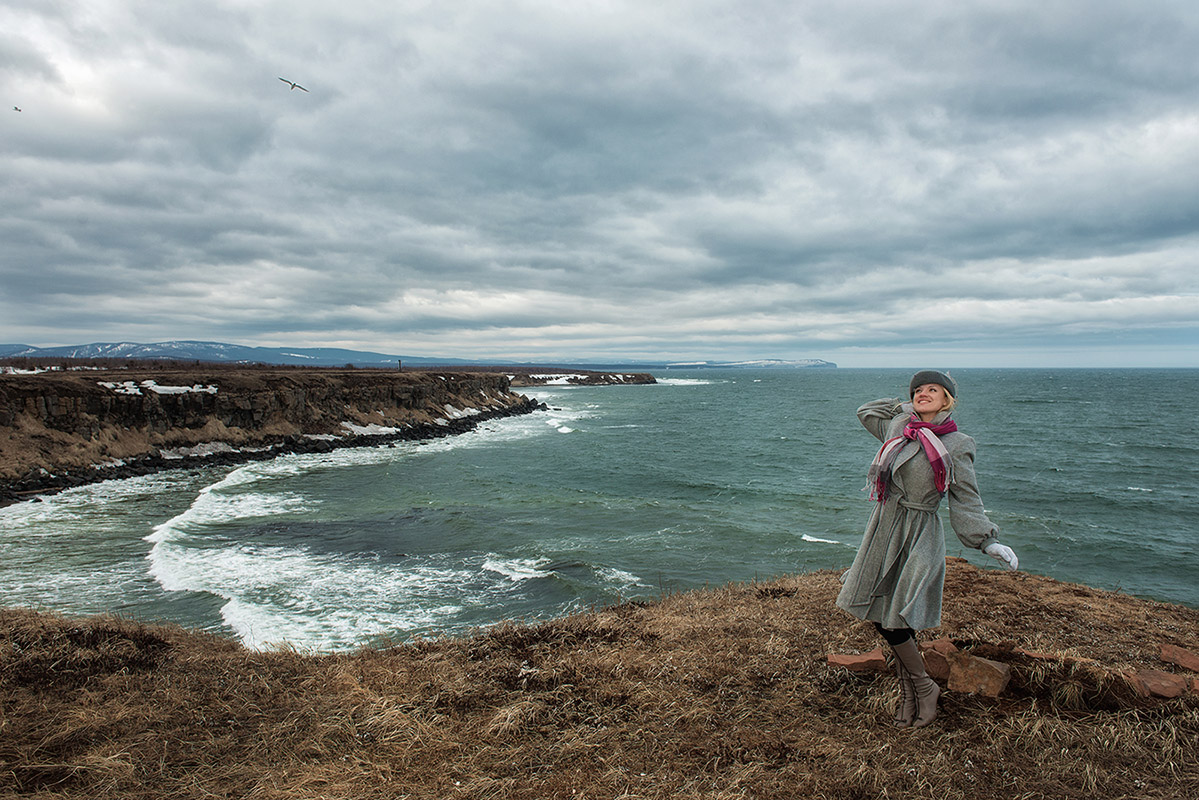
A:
[(898, 574)]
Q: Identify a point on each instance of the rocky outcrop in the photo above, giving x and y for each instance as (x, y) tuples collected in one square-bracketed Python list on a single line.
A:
[(66, 428), (1074, 679)]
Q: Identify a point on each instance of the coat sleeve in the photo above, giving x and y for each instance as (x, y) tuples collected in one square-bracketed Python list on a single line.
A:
[(876, 415), (966, 515)]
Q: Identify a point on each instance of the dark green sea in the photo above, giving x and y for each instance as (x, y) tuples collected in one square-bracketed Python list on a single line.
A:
[(615, 493)]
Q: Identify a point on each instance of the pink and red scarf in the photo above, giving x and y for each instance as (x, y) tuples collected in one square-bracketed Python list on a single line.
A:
[(879, 477)]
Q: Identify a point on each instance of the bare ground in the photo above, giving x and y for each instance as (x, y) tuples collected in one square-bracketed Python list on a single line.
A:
[(721, 693)]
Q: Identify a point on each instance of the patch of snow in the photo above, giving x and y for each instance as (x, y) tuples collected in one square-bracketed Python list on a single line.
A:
[(125, 387), (368, 430), (133, 387), (199, 450)]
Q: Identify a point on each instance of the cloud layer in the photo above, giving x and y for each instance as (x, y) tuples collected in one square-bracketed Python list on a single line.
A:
[(881, 183)]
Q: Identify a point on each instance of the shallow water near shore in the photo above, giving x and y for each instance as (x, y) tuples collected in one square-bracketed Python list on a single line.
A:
[(614, 493)]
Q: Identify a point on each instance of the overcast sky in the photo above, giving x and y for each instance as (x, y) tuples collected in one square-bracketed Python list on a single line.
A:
[(873, 183)]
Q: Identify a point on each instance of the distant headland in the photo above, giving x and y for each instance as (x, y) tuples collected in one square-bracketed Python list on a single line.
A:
[(69, 425), (225, 353)]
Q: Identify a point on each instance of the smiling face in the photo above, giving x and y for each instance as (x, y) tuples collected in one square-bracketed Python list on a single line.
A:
[(929, 399)]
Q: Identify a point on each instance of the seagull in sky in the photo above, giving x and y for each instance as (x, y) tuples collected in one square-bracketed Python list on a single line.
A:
[(293, 85), (14, 108)]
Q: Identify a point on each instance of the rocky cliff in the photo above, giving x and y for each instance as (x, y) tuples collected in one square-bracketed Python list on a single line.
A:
[(64, 428)]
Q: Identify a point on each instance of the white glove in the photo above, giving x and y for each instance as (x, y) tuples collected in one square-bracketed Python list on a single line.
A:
[(1001, 552)]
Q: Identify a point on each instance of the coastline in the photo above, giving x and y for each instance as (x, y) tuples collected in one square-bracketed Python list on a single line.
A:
[(64, 430), (30, 486)]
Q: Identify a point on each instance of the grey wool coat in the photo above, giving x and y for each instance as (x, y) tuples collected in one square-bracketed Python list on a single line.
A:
[(898, 575)]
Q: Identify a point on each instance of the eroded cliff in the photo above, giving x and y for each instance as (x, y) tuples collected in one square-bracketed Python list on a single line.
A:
[(62, 428)]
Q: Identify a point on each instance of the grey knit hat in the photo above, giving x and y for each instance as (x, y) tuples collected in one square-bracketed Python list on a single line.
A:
[(933, 376)]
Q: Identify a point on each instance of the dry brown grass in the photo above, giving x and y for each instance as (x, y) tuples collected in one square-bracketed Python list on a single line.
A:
[(719, 693)]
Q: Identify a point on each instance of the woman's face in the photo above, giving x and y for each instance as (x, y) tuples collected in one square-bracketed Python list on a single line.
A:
[(929, 399)]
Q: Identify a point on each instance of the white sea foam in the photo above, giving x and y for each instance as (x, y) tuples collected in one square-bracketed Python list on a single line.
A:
[(281, 595), (517, 569), (301, 463), (618, 576), (808, 538), (278, 594), (684, 382), (81, 502), (212, 506), (100, 586), (565, 429), (1138, 489)]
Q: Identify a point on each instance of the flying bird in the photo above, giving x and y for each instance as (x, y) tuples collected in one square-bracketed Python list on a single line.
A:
[(293, 85), (14, 108)]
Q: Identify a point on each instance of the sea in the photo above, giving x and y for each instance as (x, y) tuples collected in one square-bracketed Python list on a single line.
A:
[(613, 494)]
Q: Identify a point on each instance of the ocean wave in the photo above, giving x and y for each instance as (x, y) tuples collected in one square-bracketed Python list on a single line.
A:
[(686, 382), (212, 507), (278, 596), (90, 502), (808, 538), (619, 577), (517, 569)]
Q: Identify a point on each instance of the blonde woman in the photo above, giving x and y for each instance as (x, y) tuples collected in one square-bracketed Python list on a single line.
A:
[(897, 577)]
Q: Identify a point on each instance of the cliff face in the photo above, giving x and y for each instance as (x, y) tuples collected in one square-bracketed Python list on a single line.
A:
[(71, 420)]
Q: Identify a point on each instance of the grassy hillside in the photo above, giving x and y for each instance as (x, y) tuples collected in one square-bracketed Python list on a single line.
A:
[(720, 693)]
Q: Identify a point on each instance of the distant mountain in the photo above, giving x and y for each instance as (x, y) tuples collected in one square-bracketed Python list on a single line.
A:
[(335, 357), (218, 352)]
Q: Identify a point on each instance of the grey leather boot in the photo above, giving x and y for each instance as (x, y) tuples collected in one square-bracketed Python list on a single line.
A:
[(926, 689), (905, 715)]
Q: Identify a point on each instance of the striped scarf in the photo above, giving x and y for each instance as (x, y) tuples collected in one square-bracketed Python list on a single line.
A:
[(879, 477)]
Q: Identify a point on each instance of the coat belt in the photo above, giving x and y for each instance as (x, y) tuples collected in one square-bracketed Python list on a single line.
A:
[(919, 506)]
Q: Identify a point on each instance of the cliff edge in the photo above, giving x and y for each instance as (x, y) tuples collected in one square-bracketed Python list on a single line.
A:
[(708, 695), (65, 428)]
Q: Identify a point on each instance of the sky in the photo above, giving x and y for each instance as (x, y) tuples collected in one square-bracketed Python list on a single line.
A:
[(923, 183)]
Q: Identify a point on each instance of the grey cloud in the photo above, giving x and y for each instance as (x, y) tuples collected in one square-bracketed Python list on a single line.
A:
[(475, 176)]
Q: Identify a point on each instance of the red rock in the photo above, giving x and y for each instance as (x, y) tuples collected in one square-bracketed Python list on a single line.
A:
[(943, 646), (1195, 685), (874, 661), (983, 676), (1162, 684), (936, 658), (1183, 658), (1134, 680)]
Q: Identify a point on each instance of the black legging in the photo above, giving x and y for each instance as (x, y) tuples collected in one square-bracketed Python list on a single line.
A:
[(895, 636)]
